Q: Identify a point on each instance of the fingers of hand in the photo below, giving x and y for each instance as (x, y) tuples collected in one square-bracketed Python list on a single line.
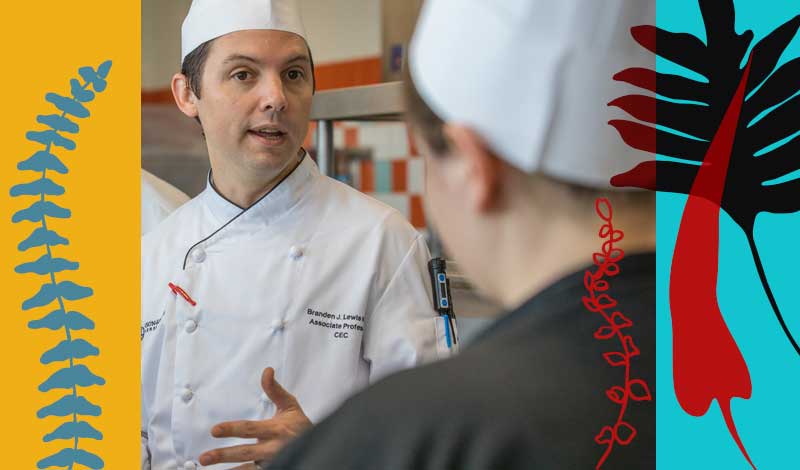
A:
[(241, 453), (283, 400), (266, 429)]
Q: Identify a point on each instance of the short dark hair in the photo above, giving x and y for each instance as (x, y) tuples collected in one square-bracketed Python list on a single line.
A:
[(193, 65), (195, 61)]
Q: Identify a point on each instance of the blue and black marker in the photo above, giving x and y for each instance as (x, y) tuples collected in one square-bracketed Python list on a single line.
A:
[(442, 301)]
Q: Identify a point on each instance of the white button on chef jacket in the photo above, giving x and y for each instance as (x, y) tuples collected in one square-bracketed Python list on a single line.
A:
[(198, 255), (323, 283)]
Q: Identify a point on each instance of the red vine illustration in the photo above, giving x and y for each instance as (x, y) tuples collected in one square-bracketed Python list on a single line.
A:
[(599, 301)]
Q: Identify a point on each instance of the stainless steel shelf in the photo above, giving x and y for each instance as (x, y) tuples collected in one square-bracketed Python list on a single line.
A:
[(381, 102)]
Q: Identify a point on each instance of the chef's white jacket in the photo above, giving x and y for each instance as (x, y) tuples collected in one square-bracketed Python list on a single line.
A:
[(323, 283), (159, 199)]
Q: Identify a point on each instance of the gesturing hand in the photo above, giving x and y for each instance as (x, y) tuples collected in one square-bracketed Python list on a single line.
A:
[(271, 434)]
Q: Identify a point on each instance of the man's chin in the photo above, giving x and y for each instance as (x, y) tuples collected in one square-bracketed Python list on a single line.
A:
[(272, 161)]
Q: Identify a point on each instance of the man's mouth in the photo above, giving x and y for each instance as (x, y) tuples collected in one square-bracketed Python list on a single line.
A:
[(268, 135)]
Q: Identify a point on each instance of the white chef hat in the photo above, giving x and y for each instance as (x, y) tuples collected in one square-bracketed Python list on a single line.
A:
[(534, 77), (209, 19)]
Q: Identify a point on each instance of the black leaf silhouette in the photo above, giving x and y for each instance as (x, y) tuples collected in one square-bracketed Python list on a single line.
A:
[(764, 148)]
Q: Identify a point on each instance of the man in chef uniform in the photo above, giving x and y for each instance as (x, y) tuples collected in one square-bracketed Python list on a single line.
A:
[(273, 266), (509, 103)]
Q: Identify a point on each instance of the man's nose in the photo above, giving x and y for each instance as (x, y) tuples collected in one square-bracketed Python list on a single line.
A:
[(273, 97)]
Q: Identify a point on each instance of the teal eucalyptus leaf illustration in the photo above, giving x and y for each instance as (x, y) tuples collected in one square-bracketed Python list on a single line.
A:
[(73, 376), (70, 405), (73, 430), (57, 319), (68, 457), (70, 377)]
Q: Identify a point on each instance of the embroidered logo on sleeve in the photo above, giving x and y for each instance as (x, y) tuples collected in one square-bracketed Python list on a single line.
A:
[(151, 325)]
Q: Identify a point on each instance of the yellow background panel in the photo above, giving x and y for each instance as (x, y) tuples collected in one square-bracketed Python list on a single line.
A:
[(44, 44)]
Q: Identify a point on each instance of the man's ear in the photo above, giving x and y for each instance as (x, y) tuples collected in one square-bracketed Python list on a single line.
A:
[(482, 168), (184, 96)]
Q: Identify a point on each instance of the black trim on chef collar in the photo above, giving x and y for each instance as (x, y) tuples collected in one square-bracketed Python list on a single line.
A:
[(186, 257), (211, 183)]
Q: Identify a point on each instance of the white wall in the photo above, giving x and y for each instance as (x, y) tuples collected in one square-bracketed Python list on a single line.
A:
[(337, 30), (342, 29), (161, 40)]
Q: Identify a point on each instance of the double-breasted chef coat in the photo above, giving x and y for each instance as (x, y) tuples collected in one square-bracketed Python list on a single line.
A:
[(323, 283)]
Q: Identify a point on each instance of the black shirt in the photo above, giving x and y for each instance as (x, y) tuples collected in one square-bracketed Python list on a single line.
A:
[(529, 393)]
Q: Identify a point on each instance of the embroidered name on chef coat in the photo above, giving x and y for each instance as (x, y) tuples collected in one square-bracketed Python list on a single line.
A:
[(151, 325), (342, 326)]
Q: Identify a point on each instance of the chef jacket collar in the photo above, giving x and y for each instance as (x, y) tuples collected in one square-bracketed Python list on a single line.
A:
[(272, 205)]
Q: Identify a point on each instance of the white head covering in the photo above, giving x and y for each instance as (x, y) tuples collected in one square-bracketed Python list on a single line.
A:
[(534, 77), (209, 19)]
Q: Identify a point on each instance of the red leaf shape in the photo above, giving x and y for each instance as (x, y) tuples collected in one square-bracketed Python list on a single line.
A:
[(608, 256), (611, 269), (615, 358), (646, 36), (605, 436), (620, 321), (603, 209), (641, 107), (614, 254), (601, 286), (639, 77), (605, 229), (641, 176), (616, 394), (624, 433), (639, 390), (636, 135), (588, 280), (605, 332), (590, 304), (604, 301), (707, 362), (598, 258), (630, 347)]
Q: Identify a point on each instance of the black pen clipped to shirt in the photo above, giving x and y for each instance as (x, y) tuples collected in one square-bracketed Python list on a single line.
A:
[(442, 301)]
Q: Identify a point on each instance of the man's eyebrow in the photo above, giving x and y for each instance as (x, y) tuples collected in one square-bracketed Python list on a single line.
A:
[(238, 57), (246, 58), (299, 58)]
